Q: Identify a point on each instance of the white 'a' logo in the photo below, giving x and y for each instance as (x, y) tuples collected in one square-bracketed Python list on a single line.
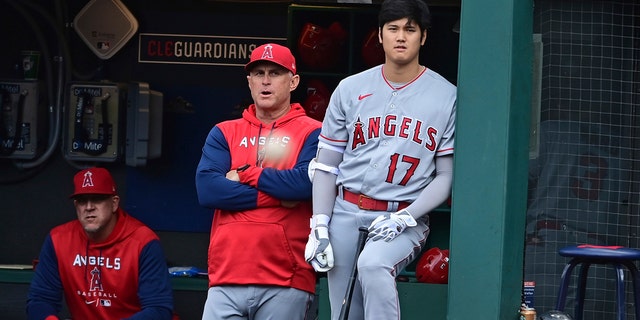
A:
[(88, 181), (267, 53)]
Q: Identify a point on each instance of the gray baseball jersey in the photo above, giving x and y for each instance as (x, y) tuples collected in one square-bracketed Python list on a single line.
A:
[(399, 129)]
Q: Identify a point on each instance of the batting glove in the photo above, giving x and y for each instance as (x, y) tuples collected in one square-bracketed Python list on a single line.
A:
[(389, 225), (318, 251)]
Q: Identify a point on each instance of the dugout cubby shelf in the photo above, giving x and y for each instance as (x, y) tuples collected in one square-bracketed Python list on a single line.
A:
[(327, 41), (339, 40)]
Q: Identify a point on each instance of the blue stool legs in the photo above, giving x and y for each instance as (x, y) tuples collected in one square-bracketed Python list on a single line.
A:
[(636, 286), (584, 259), (564, 284)]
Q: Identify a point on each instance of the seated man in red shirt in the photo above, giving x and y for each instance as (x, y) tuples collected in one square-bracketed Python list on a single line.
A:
[(107, 264)]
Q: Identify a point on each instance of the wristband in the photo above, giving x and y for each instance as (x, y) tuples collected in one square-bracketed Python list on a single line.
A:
[(320, 220)]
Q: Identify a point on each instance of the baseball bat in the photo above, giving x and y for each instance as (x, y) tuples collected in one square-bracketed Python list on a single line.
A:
[(346, 303)]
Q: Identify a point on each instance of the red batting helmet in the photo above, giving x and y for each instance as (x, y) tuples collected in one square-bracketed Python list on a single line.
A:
[(317, 99), (321, 48), (372, 52), (433, 266)]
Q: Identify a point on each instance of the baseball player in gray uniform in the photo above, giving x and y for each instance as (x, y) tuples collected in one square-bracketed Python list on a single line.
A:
[(384, 161)]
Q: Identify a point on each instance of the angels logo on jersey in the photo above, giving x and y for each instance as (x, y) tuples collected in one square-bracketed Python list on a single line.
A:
[(96, 294), (392, 128), (96, 283), (96, 290)]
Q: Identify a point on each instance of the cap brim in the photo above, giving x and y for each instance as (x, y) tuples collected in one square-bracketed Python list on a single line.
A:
[(81, 193), (248, 66)]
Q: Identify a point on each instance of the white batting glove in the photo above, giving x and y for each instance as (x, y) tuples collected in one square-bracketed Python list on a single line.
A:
[(389, 225), (318, 251)]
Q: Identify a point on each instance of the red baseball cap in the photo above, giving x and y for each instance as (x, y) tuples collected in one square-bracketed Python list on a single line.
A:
[(93, 181), (275, 53)]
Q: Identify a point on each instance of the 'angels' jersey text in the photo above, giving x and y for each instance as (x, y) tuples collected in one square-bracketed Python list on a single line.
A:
[(393, 128), (97, 261), (251, 141)]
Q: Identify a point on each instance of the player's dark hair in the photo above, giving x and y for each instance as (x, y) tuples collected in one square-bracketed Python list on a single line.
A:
[(415, 10)]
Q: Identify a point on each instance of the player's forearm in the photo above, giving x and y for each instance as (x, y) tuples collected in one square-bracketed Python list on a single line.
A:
[(290, 184), (437, 192), (325, 190), (217, 191), (324, 193), (214, 189), (212, 186)]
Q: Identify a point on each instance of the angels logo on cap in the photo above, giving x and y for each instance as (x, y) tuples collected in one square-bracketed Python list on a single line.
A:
[(275, 53), (268, 52), (93, 181), (87, 182)]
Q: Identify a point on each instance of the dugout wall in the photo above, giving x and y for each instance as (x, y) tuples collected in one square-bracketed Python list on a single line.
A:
[(492, 138)]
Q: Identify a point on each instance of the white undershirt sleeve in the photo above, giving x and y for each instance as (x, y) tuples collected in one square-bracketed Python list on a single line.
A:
[(324, 183)]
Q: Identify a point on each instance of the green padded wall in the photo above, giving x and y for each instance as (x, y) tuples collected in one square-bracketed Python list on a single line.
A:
[(490, 178)]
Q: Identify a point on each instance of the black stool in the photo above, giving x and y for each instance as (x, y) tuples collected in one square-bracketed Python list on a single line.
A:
[(590, 254)]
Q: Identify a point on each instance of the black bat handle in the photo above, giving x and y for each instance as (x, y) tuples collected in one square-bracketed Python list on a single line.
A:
[(346, 303)]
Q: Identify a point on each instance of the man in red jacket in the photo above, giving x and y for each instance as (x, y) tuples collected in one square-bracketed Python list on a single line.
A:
[(253, 174), (107, 264)]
